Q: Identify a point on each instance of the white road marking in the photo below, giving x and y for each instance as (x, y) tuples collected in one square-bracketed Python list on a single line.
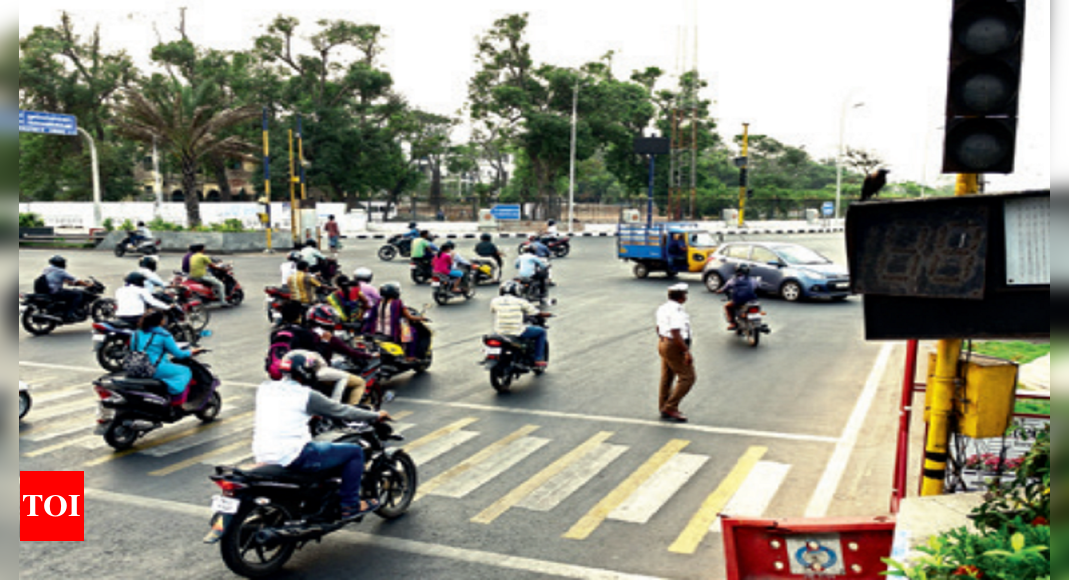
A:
[(478, 557), (440, 447), (50, 396), (569, 481), (656, 491), (833, 474), (756, 493), (191, 441), (68, 428), (79, 406), (493, 466)]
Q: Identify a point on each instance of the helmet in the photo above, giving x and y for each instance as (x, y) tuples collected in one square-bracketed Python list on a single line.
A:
[(363, 275), (149, 263), (486, 237), (742, 270), (294, 256), (448, 246), (311, 244), (412, 225), (197, 248), (552, 223), (390, 291), (510, 288), (140, 224), (135, 279), (59, 262), (300, 368), (529, 249), (322, 315)]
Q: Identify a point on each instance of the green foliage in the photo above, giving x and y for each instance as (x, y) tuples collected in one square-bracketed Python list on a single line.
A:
[(1012, 540), (158, 225), (1018, 352), (127, 226), (108, 225), (30, 220), (230, 226)]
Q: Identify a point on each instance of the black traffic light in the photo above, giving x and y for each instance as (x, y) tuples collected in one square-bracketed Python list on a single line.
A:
[(984, 84)]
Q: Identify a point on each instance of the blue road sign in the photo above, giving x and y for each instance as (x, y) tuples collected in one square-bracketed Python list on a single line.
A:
[(829, 209), (47, 123), (506, 212)]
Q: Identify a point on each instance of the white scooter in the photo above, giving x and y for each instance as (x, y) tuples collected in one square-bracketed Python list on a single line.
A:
[(25, 401)]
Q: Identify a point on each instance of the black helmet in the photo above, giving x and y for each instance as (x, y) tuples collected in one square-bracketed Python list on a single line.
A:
[(311, 244), (448, 246), (510, 288), (486, 237), (197, 248), (294, 256), (742, 270), (364, 275), (412, 225), (552, 223), (149, 263), (529, 249), (390, 291), (59, 262), (301, 369), (135, 279), (140, 224)]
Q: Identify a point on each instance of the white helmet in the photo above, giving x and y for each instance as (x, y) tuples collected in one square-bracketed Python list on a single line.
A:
[(363, 275)]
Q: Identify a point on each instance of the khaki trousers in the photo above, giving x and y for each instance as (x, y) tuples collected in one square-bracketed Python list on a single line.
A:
[(674, 369)]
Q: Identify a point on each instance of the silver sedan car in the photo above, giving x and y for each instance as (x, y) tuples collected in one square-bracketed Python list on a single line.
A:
[(790, 271)]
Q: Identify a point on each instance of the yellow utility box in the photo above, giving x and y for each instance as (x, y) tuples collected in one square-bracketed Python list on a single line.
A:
[(989, 397)]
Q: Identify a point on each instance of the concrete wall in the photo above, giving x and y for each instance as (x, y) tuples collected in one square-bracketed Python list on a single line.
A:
[(214, 242)]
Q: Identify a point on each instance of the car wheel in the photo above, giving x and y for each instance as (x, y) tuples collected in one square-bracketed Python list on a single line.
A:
[(791, 291), (642, 271), (713, 281)]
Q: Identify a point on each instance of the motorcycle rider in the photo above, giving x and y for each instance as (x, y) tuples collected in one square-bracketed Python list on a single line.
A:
[(281, 436), (448, 266), (534, 268), (741, 290), (200, 270), (423, 249), (156, 342), (313, 257), (322, 323), (551, 231), (302, 285), (413, 231), (134, 299), (289, 267), (541, 250), (486, 248), (54, 278), (148, 267), (510, 310), (393, 320), (187, 259), (363, 278)]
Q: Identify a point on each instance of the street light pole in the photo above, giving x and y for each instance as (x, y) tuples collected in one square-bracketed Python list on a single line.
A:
[(571, 179), (98, 211), (839, 158)]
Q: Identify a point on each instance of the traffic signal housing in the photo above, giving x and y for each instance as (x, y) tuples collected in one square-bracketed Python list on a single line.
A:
[(983, 86)]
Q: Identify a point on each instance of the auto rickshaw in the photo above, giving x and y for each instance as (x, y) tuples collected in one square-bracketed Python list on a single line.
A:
[(672, 248)]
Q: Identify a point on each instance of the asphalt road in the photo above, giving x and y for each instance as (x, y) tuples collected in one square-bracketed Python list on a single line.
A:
[(765, 423)]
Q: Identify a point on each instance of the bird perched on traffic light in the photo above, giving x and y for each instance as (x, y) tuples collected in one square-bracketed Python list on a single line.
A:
[(873, 184)]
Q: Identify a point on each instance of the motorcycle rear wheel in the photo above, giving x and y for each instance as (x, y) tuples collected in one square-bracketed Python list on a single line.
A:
[(25, 403), (236, 297), (35, 326), (387, 253), (420, 277), (119, 436), (112, 353), (120, 250), (753, 337), (396, 486), (209, 413), (501, 379), (247, 557)]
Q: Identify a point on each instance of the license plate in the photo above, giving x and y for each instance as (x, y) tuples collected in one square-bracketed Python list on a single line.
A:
[(99, 337), (493, 351), (225, 505), (105, 414), (842, 286), (436, 285)]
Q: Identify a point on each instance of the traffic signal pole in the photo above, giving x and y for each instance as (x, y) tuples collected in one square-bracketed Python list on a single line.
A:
[(744, 173)]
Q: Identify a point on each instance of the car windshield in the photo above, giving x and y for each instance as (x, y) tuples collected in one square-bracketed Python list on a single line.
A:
[(801, 256), (702, 240)]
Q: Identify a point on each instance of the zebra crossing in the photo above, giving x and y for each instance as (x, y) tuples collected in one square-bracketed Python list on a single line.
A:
[(462, 459)]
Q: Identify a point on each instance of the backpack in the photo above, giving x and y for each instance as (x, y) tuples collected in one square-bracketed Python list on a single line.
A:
[(137, 364), (40, 285), (281, 345)]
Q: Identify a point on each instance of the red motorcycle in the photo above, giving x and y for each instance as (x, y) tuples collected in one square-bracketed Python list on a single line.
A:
[(235, 296)]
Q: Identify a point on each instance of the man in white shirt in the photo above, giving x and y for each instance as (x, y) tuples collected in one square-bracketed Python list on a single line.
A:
[(133, 299), (153, 282), (289, 267), (677, 363), (510, 312)]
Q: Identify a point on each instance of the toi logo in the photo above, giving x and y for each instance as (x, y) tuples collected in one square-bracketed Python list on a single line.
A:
[(52, 506)]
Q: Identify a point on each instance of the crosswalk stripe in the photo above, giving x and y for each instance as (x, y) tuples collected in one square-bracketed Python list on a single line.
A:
[(60, 446), (199, 439), (699, 526), (493, 466), (165, 440), (427, 440), (475, 460), (573, 478), (530, 486), (70, 430), (50, 396), (198, 459), (65, 409), (435, 449), (757, 492), (593, 520), (651, 496), (233, 458), (49, 431)]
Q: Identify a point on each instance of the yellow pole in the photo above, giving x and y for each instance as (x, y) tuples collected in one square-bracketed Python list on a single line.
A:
[(267, 183), (941, 391), (744, 173), (295, 225)]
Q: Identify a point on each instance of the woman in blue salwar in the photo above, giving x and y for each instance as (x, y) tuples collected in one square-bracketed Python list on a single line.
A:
[(156, 342)]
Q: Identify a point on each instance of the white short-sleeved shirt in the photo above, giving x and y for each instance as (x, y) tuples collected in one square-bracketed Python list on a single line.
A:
[(671, 316)]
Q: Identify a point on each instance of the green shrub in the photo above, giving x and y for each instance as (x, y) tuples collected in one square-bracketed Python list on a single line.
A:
[(127, 226), (231, 226), (109, 225), (30, 220), (158, 225)]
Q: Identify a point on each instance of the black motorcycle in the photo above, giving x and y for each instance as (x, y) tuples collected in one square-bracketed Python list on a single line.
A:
[(396, 245), (144, 247), (750, 323), (536, 291), (509, 357), (442, 287), (41, 314), (265, 514), (422, 270), (133, 408)]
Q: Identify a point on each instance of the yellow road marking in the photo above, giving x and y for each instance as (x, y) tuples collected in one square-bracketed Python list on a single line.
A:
[(165, 440), (475, 460), (517, 495), (88, 420), (196, 460), (59, 446), (438, 434), (402, 415), (699, 526), (591, 521)]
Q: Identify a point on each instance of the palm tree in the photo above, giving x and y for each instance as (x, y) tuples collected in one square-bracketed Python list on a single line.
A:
[(188, 123)]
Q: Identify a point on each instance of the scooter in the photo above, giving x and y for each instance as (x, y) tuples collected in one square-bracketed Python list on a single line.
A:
[(442, 288), (235, 295), (509, 357), (111, 340), (394, 358), (25, 400), (144, 247), (485, 272), (129, 408), (265, 514)]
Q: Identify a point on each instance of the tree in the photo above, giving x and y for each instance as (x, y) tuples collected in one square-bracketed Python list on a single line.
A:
[(185, 122), (861, 161)]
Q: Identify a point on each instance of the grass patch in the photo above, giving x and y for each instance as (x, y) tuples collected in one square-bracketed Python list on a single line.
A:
[(1030, 407), (58, 244), (1018, 352)]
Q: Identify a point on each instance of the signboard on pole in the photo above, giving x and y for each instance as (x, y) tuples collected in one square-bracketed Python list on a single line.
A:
[(828, 209), (47, 123), (506, 212)]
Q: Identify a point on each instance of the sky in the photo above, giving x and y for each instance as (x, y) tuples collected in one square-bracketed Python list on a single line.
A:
[(787, 67)]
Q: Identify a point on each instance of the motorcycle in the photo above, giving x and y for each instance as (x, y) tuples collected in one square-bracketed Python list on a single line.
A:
[(144, 247), (422, 271), (129, 408), (235, 295), (375, 396), (442, 287), (25, 400), (750, 323), (41, 314), (264, 515), (111, 340), (559, 247), (394, 359), (532, 291), (395, 246), (485, 272), (509, 357)]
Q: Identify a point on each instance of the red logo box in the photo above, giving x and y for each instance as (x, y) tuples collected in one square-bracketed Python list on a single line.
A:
[(52, 506)]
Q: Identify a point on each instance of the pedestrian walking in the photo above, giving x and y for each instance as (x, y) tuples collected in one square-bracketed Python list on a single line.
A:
[(677, 363), (333, 236)]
